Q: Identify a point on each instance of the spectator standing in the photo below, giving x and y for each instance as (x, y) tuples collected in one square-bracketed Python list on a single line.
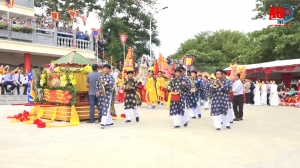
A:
[(247, 90), (18, 80), (91, 84), (25, 83)]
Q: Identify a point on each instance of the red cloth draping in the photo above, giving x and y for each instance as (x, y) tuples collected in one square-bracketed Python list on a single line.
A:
[(279, 68), (258, 70), (120, 95), (253, 78), (286, 78), (290, 68), (267, 72), (250, 71)]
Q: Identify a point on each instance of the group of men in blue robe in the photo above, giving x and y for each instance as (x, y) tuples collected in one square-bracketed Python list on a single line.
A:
[(192, 90)]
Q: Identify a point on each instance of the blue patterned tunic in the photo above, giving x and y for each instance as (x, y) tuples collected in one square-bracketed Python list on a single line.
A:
[(219, 103), (194, 96), (177, 108), (30, 78), (227, 82), (206, 91), (104, 101), (186, 90)]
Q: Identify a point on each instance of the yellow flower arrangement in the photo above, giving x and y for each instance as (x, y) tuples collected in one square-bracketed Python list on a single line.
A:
[(63, 80), (43, 79), (57, 69), (72, 79), (86, 69)]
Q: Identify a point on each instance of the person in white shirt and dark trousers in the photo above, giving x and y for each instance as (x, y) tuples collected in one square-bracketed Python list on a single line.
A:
[(25, 83), (18, 80), (238, 98)]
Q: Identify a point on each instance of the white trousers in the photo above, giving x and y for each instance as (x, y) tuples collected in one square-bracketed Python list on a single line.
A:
[(128, 113), (220, 118), (196, 111), (177, 119), (185, 115), (230, 113), (206, 104), (107, 119)]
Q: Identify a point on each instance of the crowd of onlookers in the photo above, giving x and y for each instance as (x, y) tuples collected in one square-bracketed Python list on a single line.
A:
[(48, 24), (13, 81)]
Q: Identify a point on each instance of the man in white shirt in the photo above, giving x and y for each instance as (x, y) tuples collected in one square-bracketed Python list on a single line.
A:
[(18, 80), (25, 83), (238, 98)]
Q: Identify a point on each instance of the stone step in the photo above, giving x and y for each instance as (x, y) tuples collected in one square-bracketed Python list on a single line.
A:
[(12, 99)]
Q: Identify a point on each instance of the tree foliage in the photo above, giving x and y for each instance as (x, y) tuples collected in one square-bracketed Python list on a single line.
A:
[(219, 49), (124, 16), (116, 16), (214, 49)]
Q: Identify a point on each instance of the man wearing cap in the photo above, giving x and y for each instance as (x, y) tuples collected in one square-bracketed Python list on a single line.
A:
[(185, 93), (219, 105), (193, 99), (130, 87), (176, 87), (160, 85), (151, 94), (104, 92), (91, 84)]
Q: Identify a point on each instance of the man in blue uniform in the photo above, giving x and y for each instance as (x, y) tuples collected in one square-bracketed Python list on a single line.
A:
[(185, 94), (104, 93), (219, 106)]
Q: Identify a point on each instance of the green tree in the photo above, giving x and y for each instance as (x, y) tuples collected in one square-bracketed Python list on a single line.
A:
[(125, 16), (274, 43), (215, 49), (118, 16)]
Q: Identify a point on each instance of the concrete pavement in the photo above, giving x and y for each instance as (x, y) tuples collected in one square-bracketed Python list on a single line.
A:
[(268, 137)]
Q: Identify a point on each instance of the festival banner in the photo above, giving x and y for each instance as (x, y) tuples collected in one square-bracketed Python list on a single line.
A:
[(123, 38), (188, 60), (84, 19), (164, 66), (55, 15), (128, 64), (73, 13), (96, 33), (9, 3)]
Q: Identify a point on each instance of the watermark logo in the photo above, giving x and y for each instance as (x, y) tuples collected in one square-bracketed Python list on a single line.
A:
[(283, 14)]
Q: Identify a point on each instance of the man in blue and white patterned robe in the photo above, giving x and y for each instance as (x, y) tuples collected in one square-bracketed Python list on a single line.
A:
[(177, 107), (194, 98), (206, 92), (219, 106), (185, 94), (106, 82)]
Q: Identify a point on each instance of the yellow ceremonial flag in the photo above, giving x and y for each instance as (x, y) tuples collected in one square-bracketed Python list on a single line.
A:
[(128, 64), (188, 61), (163, 62)]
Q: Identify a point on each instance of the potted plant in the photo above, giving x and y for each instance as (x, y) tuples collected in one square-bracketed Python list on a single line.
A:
[(22, 32), (3, 25)]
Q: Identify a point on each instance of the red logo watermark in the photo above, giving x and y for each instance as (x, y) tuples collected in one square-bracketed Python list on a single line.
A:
[(282, 14)]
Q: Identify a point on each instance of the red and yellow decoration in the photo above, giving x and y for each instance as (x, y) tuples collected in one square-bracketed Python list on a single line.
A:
[(73, 13), (96, 33), (188, 60), (55, 15), (237, 69), (123, 38), (9, 3), (57, 96)]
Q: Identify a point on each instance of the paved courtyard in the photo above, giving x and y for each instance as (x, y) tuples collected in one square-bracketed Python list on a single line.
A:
[(268, 137)]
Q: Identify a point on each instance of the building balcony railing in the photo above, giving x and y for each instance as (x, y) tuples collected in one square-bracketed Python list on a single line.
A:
[(34, 35), (25, 3)]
